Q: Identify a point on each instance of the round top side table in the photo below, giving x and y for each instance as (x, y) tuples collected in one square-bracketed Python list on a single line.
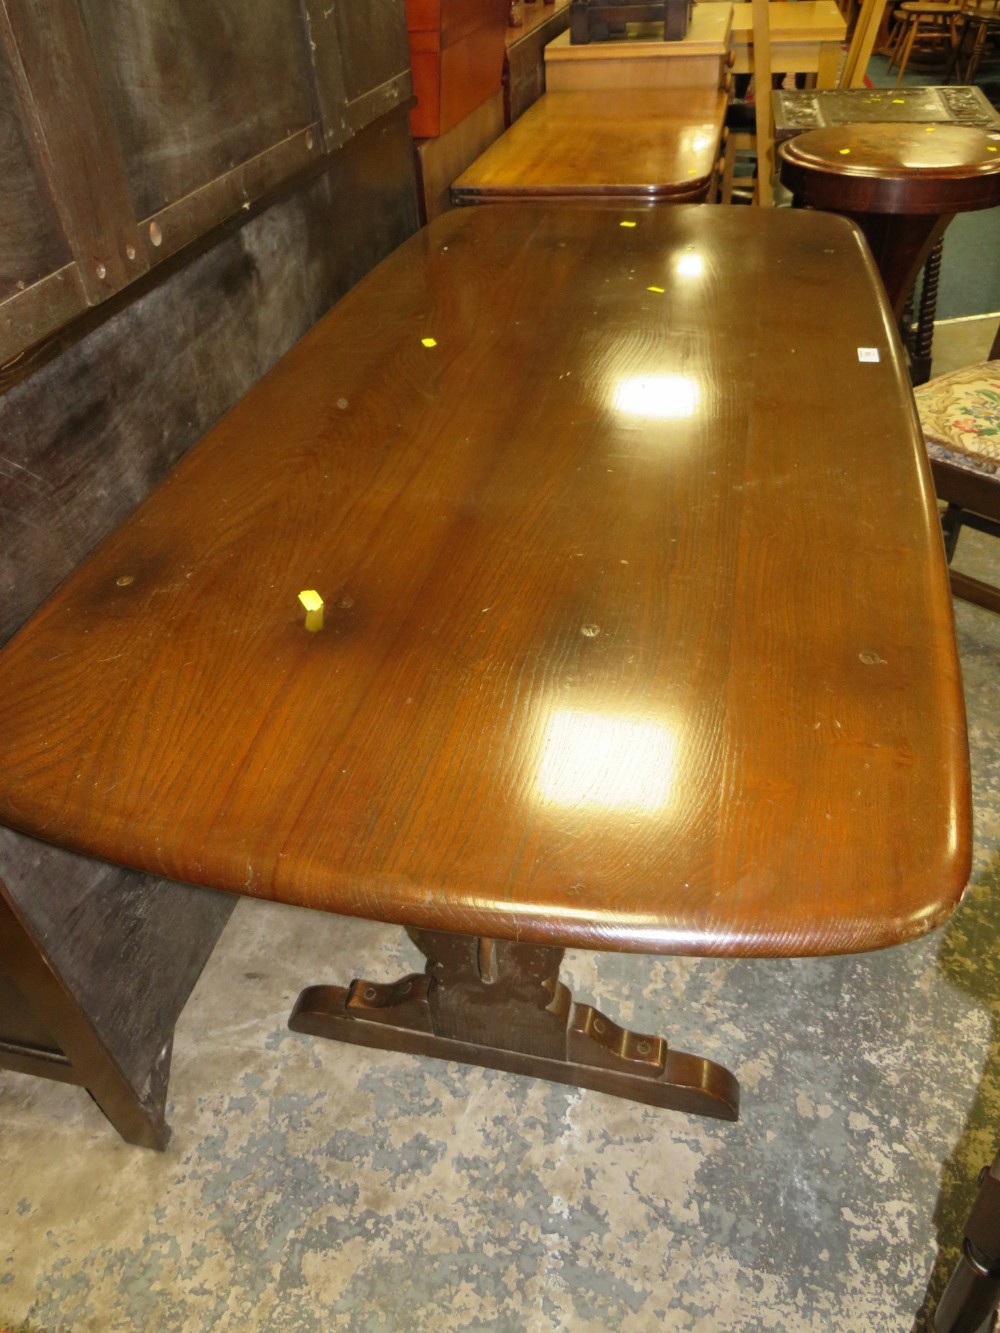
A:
[(901, 183)]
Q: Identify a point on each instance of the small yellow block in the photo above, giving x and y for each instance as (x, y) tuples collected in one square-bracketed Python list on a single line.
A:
[(313, 604), (660, 290), (626, 224), (845, 152), (428, 342)]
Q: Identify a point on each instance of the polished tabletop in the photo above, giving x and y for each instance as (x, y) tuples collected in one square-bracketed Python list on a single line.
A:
[(793, 20), (637, 631), (896, 168), (659, 144)]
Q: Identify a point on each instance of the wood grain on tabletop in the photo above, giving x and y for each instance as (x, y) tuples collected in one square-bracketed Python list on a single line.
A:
[(653, 142), (894, 168), (637, 630)]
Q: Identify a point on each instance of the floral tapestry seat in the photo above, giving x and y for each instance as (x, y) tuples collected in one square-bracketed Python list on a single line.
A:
[(960, 416)]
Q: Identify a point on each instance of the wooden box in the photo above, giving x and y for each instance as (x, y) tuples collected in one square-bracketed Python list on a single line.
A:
[(456, 55)]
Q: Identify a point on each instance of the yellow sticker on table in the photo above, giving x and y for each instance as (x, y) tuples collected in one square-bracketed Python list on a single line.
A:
[(626, 224), (659, 290), (845, 152), (428, 342), (313, 604)]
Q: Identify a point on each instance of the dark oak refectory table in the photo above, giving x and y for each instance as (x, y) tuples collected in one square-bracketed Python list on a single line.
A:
[(636, 636)]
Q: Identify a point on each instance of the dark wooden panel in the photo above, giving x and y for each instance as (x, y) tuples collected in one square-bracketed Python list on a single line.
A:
[(524, 71), (40, 310), (321, 25), (19, 1021), (361, 61), (373, 44), (87, 436), (32, 243), (96, 962), (193, 90), (55, 79), (127, 947)]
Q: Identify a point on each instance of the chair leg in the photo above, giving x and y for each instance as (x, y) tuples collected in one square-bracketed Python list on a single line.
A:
[(728, 169), (969, 1302), (975, 55), (895, 41), (951, 527), (907, 48)]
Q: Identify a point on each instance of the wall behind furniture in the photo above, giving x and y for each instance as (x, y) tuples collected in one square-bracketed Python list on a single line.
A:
[(188, 186)]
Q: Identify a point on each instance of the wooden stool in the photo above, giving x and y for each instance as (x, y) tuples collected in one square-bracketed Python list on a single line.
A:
[(901, 184), (925, 22)]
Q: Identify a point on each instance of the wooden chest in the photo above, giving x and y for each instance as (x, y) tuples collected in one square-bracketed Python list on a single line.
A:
[(456, 55)]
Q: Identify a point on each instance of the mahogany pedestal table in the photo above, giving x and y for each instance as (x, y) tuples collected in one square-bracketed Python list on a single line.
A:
[(607, 661), (639, 146), (796, 112), (901, 183)]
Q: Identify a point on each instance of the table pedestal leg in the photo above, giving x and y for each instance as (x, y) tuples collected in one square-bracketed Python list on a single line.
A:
[(900, 247), (501, 1004)]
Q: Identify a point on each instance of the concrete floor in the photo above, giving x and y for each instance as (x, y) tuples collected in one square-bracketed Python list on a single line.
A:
[(316, 1187)]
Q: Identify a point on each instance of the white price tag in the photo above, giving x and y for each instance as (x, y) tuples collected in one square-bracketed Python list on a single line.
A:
[(867, 353)]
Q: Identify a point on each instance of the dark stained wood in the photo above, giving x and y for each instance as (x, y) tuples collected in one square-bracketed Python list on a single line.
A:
[(901, 183), (524, 65), (601, 20), (55, 76), (896, 168), (647, 145), (194, 91), (501, 1004), (97, 962), (375, 54), (33, 243), (607, 661), (797, 110), (973, 500), (130, 132), (970, 1300), (328, 71), (137, 1112)]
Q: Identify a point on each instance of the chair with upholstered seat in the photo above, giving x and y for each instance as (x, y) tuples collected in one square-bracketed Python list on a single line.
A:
[(960, 415)]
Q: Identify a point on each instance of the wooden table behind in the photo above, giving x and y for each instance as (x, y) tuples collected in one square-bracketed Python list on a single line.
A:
[(653, 144)]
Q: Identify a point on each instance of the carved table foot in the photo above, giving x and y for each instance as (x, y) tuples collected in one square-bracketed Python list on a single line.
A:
[(501, 1004)]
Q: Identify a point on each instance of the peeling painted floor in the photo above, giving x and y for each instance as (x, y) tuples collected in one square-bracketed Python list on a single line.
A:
[(313, 1186)]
